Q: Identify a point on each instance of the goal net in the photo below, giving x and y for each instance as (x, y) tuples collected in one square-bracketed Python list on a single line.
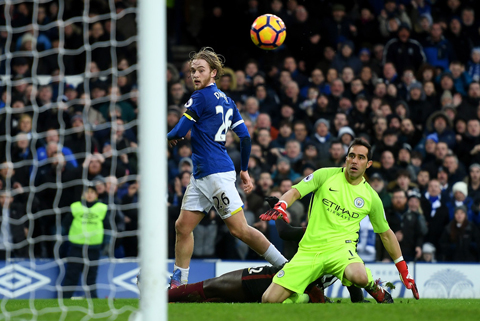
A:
[(69, 158)]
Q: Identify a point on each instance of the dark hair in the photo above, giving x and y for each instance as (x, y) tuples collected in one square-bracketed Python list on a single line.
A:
[(335, 141), (396, 190), (361, 142), (404, 172), (301, 122), (285, 123)]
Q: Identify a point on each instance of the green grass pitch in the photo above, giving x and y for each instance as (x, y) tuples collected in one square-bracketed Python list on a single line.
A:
[(402, 309)]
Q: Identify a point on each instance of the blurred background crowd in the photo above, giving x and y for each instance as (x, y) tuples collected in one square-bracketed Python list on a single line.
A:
[(401, 74)]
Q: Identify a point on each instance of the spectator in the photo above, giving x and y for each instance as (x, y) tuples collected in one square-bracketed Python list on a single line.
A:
[(284, 171), (85, 233), (300, 132), (435, 212), (346, 58), (336, 155), (378, 184), (442, 177), (474, 181), (460, 240), (252, 109), (130, 243), (440, 124), (81, 141), (267, 103), (389, 142), (406, 226), (51, 139), (367, 27), (456, 171), (423, 177), (379, 127), (14, 229), (359, 115), (468, 106), (461, 43), (316, 80), (338, 26), (474, 64), (178, 94), (290, 64), (415, 205), (403, 182), (265, 183), (438, 50), (346, 136), (292, 95), (460, 198), (205, 234), (293, 151), (441, 151), (470, 25), (322, 137), (388, 170), (325, 63), (390, 74), (127, 111), (409, 134), (461, 79), (285, 133), (404, 52), (428, 253)]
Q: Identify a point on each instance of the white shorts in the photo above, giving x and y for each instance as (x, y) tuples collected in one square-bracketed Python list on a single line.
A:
[(216, 190)]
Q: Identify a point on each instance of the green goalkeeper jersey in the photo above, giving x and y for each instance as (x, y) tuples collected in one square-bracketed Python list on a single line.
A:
[(336, 209)]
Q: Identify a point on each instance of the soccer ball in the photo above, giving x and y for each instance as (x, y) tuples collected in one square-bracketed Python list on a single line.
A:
[(268, 32)]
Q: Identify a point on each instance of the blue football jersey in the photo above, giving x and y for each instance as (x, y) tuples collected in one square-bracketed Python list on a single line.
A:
[(215, 114)]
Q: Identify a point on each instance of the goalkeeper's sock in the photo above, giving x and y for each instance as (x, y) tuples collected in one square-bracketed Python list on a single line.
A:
[(297, 298), (187, 293), (184, 278), (274, 257)]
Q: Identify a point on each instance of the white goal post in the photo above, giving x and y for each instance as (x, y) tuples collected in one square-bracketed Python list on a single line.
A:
[(153, 161)]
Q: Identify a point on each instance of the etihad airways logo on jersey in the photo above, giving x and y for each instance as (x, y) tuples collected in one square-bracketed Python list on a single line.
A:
[(338, 210)]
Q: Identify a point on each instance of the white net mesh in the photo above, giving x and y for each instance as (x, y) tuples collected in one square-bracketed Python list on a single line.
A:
[(67, 123)]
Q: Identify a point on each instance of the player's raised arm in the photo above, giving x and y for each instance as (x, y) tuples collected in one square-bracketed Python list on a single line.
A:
[(280, 208), (390, 243), (181, 129), (195, 106)]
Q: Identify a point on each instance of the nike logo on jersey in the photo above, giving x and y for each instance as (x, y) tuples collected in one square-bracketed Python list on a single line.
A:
[(332, 190), (350, 258)]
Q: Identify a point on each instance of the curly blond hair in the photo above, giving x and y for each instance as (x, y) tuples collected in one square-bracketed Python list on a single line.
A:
[(214, 60)]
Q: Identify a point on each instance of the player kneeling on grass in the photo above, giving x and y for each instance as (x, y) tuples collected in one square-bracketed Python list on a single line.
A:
[(248, 285), (342, 198)]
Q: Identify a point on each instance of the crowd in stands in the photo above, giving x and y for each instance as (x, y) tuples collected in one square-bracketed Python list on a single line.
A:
[(59, 137), (403, 75)]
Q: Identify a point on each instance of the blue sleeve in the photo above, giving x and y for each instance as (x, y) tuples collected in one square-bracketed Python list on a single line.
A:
[(245, 148), (181, 128), (67, 152)]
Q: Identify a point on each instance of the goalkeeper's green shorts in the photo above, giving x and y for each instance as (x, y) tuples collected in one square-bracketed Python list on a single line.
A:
[(306, 267)]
